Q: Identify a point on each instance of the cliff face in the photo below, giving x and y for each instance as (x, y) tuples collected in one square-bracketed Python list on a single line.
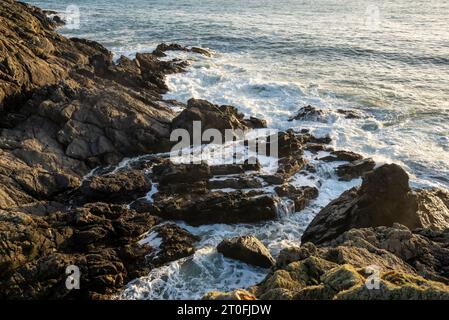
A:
[(65, 107)]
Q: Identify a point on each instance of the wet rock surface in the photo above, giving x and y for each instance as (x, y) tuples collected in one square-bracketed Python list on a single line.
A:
[(355, 169), (247, 249)]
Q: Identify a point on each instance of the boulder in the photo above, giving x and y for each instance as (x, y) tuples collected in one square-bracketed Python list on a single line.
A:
[(384, 198), (247, 249), (309, 113), (169, 173)]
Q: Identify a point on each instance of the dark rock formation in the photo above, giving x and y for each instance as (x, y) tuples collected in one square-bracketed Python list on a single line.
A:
[(247, 249), (308, 113), (407, 265), (175, 243), (355, 169), (98, 238), (66, 107), (341, 155), (121, 187), (301, 196), (217, 207), (383, 199)]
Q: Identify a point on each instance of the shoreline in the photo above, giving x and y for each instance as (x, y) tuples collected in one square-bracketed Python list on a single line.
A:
[(69, 109)]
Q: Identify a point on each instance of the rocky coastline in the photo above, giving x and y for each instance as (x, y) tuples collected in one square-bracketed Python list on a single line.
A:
[(70, 115)]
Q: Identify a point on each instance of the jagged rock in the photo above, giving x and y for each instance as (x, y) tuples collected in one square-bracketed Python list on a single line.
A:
[(341, 155), (202, 51), (397, 286), (170, 173), (217, 207), (173, 242), (308, 113), (300, 196), (162, 48), (98, 238), (247, 249), (345, 268), (383, 199), (238, 294), (115, 188), (355, 169), (226, 169), (235, 183), (211, 117), (433, 208)]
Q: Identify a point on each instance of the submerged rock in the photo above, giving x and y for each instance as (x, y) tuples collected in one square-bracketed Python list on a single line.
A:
[(247, 249), (301, 196), (308, 113), (162, 48)]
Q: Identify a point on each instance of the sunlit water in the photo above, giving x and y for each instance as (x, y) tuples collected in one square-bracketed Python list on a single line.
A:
[(387, 59)]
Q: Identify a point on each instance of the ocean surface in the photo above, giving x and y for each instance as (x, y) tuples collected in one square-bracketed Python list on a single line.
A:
[(388, 60)]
